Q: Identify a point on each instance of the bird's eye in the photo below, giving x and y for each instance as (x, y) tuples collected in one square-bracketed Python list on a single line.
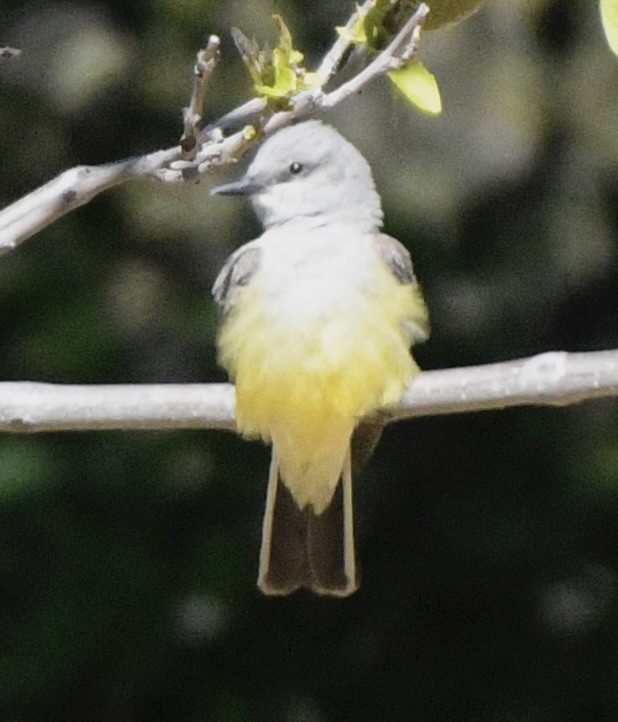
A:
[(296, 167)]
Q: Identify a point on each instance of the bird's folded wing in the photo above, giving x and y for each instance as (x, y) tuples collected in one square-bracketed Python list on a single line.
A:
[(237, 271), (396, 256)]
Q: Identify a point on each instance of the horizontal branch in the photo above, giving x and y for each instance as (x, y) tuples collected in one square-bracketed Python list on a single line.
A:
[(29, 406), (555, 379)]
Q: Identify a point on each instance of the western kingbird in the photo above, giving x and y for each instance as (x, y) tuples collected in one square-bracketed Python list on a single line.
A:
[(319, 314)]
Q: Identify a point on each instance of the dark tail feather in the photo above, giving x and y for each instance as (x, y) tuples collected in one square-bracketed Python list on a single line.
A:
[(302, 549), (282, 557), (327, 548), (364, 441)]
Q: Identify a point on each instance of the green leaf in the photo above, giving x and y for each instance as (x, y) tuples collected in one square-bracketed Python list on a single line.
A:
[(357, 34), (369, 28), (609, 20), (285, 36), (250, 53), (285, 78), (277, 74), (310, 81), (419, 86), (377, 34)]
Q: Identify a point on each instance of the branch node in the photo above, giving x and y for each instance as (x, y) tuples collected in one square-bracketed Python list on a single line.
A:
[(68, 196), (9, 53)]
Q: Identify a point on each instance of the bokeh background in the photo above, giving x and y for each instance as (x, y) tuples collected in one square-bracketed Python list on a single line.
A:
[(489, 541)]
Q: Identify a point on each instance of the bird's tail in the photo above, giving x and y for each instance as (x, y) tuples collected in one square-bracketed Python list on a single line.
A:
[(304, 549)]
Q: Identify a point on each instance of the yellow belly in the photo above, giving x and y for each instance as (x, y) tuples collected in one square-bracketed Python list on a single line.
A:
[(304, 383)]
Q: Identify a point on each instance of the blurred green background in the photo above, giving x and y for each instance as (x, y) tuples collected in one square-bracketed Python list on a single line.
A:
[(489, 541)]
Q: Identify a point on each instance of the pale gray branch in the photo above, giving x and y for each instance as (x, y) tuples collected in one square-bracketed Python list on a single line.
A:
[(70, 190), (551, 379), (555, 378), (79, 185), (27, 406), (204, 67), (7, 53)]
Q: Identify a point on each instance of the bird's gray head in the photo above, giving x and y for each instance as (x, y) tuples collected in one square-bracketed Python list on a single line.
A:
[(309, 171)]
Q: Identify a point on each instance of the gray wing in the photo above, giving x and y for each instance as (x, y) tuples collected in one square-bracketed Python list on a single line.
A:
[(237, 271), (396, 256)]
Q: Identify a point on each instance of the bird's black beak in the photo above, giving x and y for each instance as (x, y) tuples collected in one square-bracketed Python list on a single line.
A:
[(243, 187)]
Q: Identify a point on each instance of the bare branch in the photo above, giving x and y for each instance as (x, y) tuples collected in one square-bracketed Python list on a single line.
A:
[(555, 378), (552, 379), (243, 114), (211, 149), (70, 190), (8, 53), (205, 64), (27, 406)]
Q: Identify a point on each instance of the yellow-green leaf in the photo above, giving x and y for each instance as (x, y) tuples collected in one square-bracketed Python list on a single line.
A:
[(250, 53), (419, 86), (285, 78), (609, 20), (249, 132), (285, 37), (295, 57), (377, 34), (310, 81), (285, 81), (357, 34), (276, 74)]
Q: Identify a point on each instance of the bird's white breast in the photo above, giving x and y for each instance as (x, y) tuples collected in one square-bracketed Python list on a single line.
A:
[(311, 274)]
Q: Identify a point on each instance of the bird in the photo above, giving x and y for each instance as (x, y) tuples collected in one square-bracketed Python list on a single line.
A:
[(319, 314)]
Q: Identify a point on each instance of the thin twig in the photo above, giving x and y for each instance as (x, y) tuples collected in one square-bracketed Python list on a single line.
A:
[(551, 379), (243, 114), (205, 64)]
